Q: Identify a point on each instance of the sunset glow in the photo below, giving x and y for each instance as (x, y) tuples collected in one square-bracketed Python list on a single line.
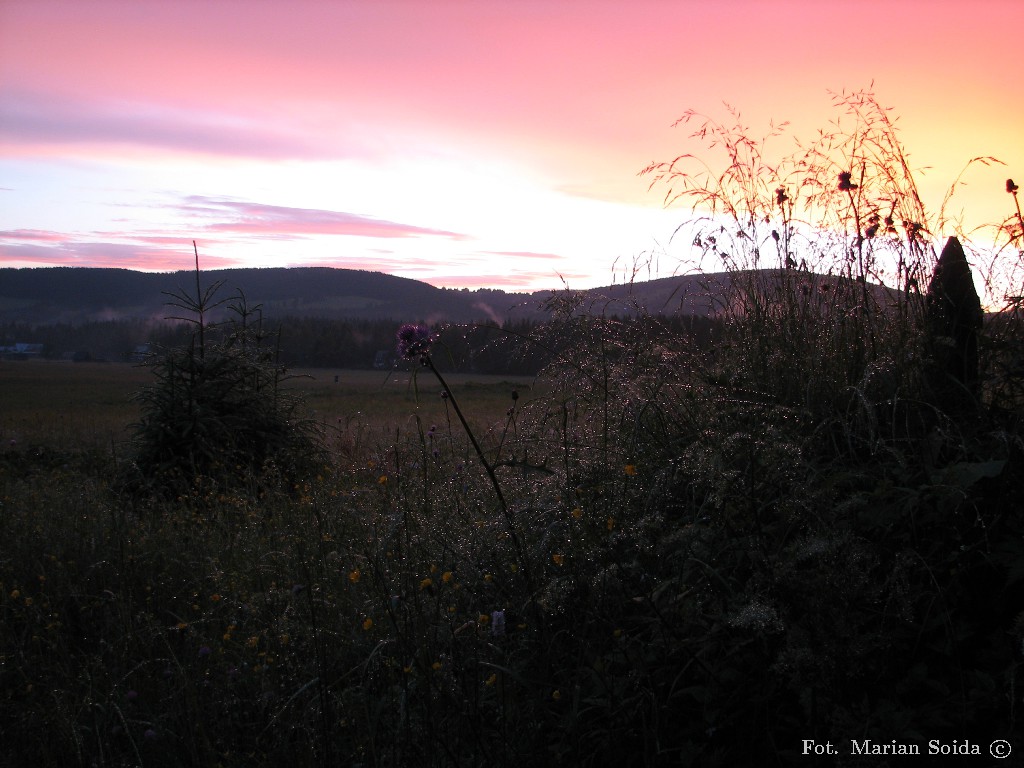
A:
[(479, 144)]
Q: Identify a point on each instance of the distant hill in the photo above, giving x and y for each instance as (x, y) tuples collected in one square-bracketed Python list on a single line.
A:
[(49, 295), (76, 294)]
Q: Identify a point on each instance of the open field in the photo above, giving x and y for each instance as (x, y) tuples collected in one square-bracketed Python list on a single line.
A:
[(63, 403)]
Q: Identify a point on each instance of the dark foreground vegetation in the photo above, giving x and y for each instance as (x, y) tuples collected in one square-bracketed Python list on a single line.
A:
[(669, 554)]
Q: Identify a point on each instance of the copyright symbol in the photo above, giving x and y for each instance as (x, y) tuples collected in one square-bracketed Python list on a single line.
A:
[(1000, 748)]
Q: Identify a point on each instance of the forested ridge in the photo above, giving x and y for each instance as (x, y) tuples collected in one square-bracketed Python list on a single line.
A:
[(77, 294)]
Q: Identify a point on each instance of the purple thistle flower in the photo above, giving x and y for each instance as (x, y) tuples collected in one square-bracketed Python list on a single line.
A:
[(204, 651), (149, 734), (413, 340)]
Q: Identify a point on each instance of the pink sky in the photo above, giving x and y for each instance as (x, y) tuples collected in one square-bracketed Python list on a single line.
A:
[(466, 143)]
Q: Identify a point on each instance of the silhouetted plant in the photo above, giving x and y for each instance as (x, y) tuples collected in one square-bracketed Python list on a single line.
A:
[(217, 412), (808, 243)]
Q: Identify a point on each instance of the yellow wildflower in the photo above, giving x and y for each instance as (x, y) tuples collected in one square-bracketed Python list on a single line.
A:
[(630, 469), (354, 575), (558, 559), (367, 623), (426, 583), (446, 576)]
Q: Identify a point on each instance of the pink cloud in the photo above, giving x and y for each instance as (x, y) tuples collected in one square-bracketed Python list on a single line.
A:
[(522, 255), (174, 241), (102, 254), (518, 281), (249, 218), (34, 235), (40, 119)]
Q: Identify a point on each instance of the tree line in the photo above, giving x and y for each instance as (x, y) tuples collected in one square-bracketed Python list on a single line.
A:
[(515, 347), (299, 342)]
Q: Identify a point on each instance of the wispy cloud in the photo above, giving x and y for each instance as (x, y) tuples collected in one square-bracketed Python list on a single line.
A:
[(518, 281), (522, 255), (178, 242), (249, 218), (222, 224), (33, 235), (67, 251), (35, 118)]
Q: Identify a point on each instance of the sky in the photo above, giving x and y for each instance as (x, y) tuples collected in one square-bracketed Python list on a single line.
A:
[(466, 143)]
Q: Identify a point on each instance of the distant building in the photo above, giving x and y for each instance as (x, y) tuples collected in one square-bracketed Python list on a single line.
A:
[(140, 353), (21, 351)]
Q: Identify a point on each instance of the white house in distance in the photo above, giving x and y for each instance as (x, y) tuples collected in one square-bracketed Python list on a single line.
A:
[(21, 351)]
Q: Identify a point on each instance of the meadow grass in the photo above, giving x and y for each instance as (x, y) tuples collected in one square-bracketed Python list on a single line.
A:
[(69, 404), (56, 403), (657, 554)]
